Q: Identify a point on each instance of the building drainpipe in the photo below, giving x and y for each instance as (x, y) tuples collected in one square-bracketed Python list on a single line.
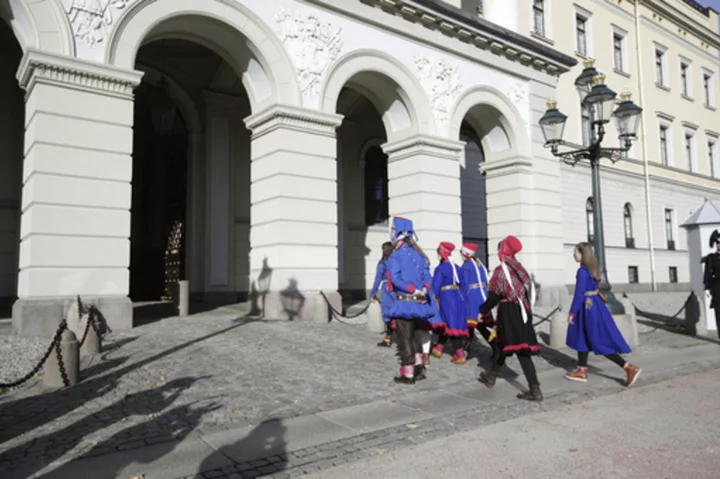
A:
[(646, 164)]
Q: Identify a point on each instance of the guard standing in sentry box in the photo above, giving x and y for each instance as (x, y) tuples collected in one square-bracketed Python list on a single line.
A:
[(447, 287), (381, 284), (476, 293), (711, 278), (409, 285)]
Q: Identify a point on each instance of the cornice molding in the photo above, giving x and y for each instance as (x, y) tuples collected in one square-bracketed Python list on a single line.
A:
[(42, 67), (703, 33), (455, 23), (426, 145), (294, 118)]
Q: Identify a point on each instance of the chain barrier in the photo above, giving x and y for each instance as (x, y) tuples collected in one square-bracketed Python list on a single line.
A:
[(640, 312), (344, 318), (546, 318), (54, 345)]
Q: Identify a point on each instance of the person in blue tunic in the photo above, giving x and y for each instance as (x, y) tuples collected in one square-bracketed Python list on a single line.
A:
[(381, 284), (447, 287), (476, 293), (590, 325), (409, 285)]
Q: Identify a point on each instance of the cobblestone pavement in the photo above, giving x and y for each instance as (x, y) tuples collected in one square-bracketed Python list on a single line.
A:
[(215, 371)]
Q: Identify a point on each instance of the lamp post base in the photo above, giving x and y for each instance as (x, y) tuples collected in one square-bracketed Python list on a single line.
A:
[(614, 306)]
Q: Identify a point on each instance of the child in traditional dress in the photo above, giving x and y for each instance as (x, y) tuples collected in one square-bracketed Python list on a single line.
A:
[(447, 286), (381, 284), (511, 291), (590, 325), (476, 293)]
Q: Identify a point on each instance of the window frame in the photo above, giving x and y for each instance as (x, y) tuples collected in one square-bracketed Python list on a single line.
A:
[(590, 220), (633, 271), (708, 88), (690, 148), (624, 56), (712, 154), (663, 73), (586, 17), (665, 123), (669, 226), (686, 81), (543, 32), (673, 274), (628, 225)]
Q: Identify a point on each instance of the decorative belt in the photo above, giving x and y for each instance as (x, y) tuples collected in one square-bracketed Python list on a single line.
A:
[(476, 285), (449, 287), (410, 298), (591, 293)]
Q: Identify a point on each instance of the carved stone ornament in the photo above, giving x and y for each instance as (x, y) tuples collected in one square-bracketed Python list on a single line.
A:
[(518, 94), (92, 20), (311, 44), (442, 83)]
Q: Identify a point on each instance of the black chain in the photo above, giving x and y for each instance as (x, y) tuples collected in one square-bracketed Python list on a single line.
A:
[(55, 344), (61, 363), (87, 330), (546, 318)]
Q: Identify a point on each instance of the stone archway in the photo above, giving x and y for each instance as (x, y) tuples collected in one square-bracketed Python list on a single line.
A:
[(44, 27)]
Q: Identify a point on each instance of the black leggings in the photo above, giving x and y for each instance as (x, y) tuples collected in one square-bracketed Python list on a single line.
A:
[(527, 365), (406, 341), (455, 342), (614, 357)]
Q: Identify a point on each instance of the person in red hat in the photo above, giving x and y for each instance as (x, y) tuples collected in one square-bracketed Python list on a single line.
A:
[(447, 286), (476, 293), (511, 290)]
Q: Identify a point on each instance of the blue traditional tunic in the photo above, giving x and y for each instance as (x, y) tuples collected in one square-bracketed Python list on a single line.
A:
[(381, 283), (476, 290), (593, 327), (447, 286), (408, 271)]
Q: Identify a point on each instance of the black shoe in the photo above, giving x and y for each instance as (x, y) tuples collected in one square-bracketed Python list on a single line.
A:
[(534, 394), (386, 342), (420, 373), (488, 379), (404, 380)]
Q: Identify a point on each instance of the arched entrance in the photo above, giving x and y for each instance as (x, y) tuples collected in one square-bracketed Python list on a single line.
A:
[(12, 126), (473, 192)]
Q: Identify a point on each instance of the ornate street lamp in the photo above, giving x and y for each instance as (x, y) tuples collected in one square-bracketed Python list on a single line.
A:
[(600, 101)]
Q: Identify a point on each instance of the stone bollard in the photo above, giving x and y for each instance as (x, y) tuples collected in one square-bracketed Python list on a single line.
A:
[(92, 344), (375, 321), (52, 378), (184, 297), (627, 323), (558, 329)]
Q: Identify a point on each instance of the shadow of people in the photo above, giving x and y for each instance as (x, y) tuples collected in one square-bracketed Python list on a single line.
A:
[(162, 434), (292, 300), (265, 442), (259, 290), (54, 445)]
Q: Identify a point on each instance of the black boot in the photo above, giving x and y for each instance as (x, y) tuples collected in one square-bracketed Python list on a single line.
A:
[(404, 380), (386, 342), (488, 379), (419, 373), (534, 394)]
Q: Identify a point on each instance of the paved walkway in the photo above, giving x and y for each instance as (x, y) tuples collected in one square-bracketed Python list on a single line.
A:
[(211, 379)]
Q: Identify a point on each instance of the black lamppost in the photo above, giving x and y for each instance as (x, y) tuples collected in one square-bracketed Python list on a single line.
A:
[(600, 102)]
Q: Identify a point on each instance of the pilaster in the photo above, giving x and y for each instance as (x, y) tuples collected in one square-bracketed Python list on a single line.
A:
[(75, 223), (293, 212), (424, 186)]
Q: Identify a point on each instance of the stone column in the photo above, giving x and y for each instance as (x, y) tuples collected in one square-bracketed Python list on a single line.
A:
[(75, 224), (424, 186), (293, 212), (502, 12)]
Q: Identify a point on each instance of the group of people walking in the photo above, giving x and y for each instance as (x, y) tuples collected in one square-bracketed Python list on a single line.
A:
[(455, 301)]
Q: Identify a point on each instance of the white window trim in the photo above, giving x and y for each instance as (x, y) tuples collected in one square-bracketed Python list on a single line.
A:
[(687, 62), (713, 87), (625, 57), (665, 70), (692, 164), (712, 144), (668, 123), (587, 15), (547, 20), (673, 225)]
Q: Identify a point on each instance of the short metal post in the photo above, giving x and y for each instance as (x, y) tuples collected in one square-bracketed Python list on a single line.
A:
[(184, 300)]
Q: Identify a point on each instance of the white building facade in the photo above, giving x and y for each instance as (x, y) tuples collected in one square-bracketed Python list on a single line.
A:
[(279, 134)]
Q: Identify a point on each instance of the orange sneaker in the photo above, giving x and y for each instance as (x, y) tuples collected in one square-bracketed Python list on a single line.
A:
[(579, 375), (632, 373)]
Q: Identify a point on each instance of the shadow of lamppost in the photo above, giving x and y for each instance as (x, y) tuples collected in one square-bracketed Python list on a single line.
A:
[(292, 300), (600, 102)]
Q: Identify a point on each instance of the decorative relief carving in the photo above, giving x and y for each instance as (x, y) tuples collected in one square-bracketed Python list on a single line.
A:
[(518, 94), (311, 44), (92, 20), (442, 82)]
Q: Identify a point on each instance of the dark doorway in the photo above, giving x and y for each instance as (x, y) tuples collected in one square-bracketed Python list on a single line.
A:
[(159, 194), (12, 134), (473, 194)]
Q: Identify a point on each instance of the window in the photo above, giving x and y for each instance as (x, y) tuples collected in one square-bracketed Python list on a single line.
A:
[(376, 186), (713, 157), (619, 46), (581, 34), (539, 17), (632, 274), (661, 73), (685, 79), (664, 158), (673, 274), (627, 221), (690, 150), (590, 220), (472, 6), (669, 230), (587, 128), (708, 89)]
